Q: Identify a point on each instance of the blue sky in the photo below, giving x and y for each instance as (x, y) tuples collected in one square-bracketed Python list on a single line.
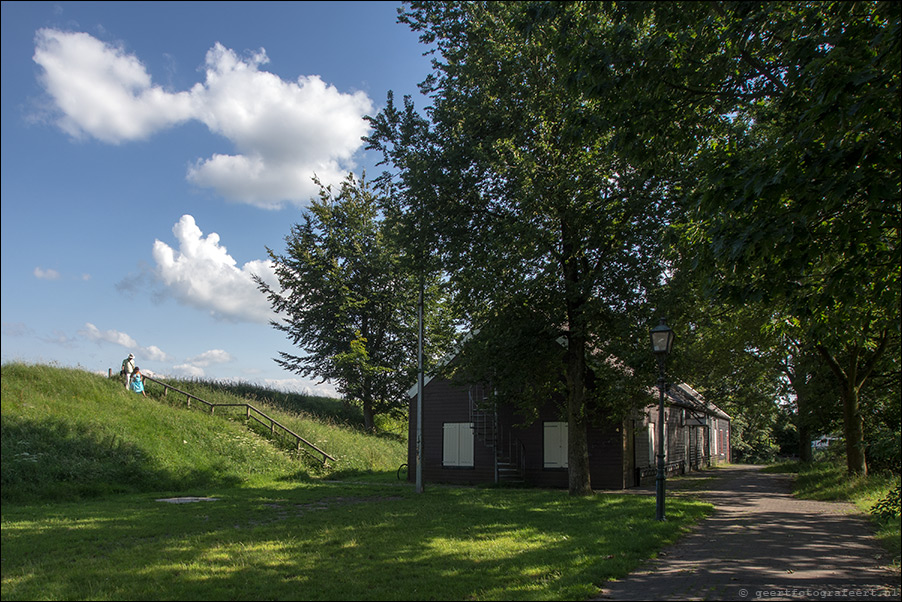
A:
[(152, 150)]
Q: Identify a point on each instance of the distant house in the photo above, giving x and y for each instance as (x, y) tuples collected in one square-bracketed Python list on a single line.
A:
[(696, 432), (822, 442), (467, 439)]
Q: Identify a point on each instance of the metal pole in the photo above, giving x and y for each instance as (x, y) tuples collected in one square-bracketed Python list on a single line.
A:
[(660, 481), (420, 379)]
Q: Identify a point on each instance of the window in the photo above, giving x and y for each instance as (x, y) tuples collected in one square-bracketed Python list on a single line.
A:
[(457, 444), (556, 437), (666, 443), (651, 444)]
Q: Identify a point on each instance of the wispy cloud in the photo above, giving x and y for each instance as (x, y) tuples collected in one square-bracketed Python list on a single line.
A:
[(59, 338), (304, 387), (188, 371), (194, 367), (282, 132), (202, 274), (213, 356), (48, 274), (16, 329), (116, 337)]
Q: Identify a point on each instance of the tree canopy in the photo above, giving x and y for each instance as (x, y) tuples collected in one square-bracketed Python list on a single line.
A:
[(579, 155), (348, 300), (535, 217), (798, 199), (777, 125)]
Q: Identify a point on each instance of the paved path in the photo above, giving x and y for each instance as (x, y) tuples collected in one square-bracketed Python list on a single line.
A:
[(762, 543)]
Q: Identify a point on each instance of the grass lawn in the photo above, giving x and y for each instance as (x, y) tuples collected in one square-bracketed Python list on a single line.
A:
[(84, 465), (333, 541)]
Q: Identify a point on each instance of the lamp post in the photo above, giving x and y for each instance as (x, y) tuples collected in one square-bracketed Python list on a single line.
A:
[(661, 343)]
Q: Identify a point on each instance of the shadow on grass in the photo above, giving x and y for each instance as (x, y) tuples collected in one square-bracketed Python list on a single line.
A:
[(53, 460), (334, 541)]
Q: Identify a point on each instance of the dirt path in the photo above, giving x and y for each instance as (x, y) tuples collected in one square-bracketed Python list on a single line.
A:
[(762, 543)]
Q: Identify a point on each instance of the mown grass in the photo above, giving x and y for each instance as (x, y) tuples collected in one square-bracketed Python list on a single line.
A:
[(334, 541), (85, 463), (830, 481)]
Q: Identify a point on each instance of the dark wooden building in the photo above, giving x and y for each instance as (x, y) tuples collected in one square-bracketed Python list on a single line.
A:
[(468, 440)]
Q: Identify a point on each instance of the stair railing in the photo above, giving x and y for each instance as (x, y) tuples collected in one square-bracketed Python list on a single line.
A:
[(251, 413), (484, 417)]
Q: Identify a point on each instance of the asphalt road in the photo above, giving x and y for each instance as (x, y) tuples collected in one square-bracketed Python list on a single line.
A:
[(762, 543)]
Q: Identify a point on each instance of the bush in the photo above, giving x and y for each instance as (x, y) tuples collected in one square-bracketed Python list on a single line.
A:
[(890, 506), (885, 451)]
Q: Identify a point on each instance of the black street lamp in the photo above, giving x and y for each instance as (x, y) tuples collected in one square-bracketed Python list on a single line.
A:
[(661, 343)]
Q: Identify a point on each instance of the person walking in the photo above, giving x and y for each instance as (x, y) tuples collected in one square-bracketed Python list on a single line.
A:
[(138, 382), (128, 369)]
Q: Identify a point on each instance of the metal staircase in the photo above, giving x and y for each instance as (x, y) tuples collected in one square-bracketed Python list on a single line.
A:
[(509, 453)]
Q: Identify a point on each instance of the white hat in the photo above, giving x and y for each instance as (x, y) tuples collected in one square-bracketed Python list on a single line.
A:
[(131, 356)]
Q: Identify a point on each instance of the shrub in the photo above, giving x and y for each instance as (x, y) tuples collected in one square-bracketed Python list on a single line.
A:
[(885, 451), (890, 506)]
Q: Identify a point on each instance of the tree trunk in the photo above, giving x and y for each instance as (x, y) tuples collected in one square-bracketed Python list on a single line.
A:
[(579, 477), (851, 379), (804, 423), (369, 421), (853, 430), (805, 453)]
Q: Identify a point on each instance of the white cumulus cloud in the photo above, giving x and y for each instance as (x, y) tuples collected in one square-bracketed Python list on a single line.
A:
[(202, 274), (155, 354), (282, 132), (103, 92)]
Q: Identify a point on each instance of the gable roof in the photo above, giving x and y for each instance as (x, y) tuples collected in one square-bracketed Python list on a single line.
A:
[(683, 395), (679, 394)]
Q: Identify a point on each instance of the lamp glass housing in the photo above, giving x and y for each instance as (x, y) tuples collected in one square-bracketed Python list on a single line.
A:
[(662, 339)]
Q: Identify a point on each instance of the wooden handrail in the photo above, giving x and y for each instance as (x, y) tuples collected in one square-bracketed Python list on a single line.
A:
[(273, 423)]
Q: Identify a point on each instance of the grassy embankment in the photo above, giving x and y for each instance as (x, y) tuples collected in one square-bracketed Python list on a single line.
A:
[(84, 463), (828, 480)]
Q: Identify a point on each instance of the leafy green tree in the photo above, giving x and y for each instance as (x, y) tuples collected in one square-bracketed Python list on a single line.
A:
[(348, 301), (549, 239), (800, 202), (779, 125)]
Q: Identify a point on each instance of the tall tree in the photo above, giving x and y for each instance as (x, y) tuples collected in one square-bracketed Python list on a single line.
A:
[(349, 301), (785, 118), (534, 215), (800, 202)]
